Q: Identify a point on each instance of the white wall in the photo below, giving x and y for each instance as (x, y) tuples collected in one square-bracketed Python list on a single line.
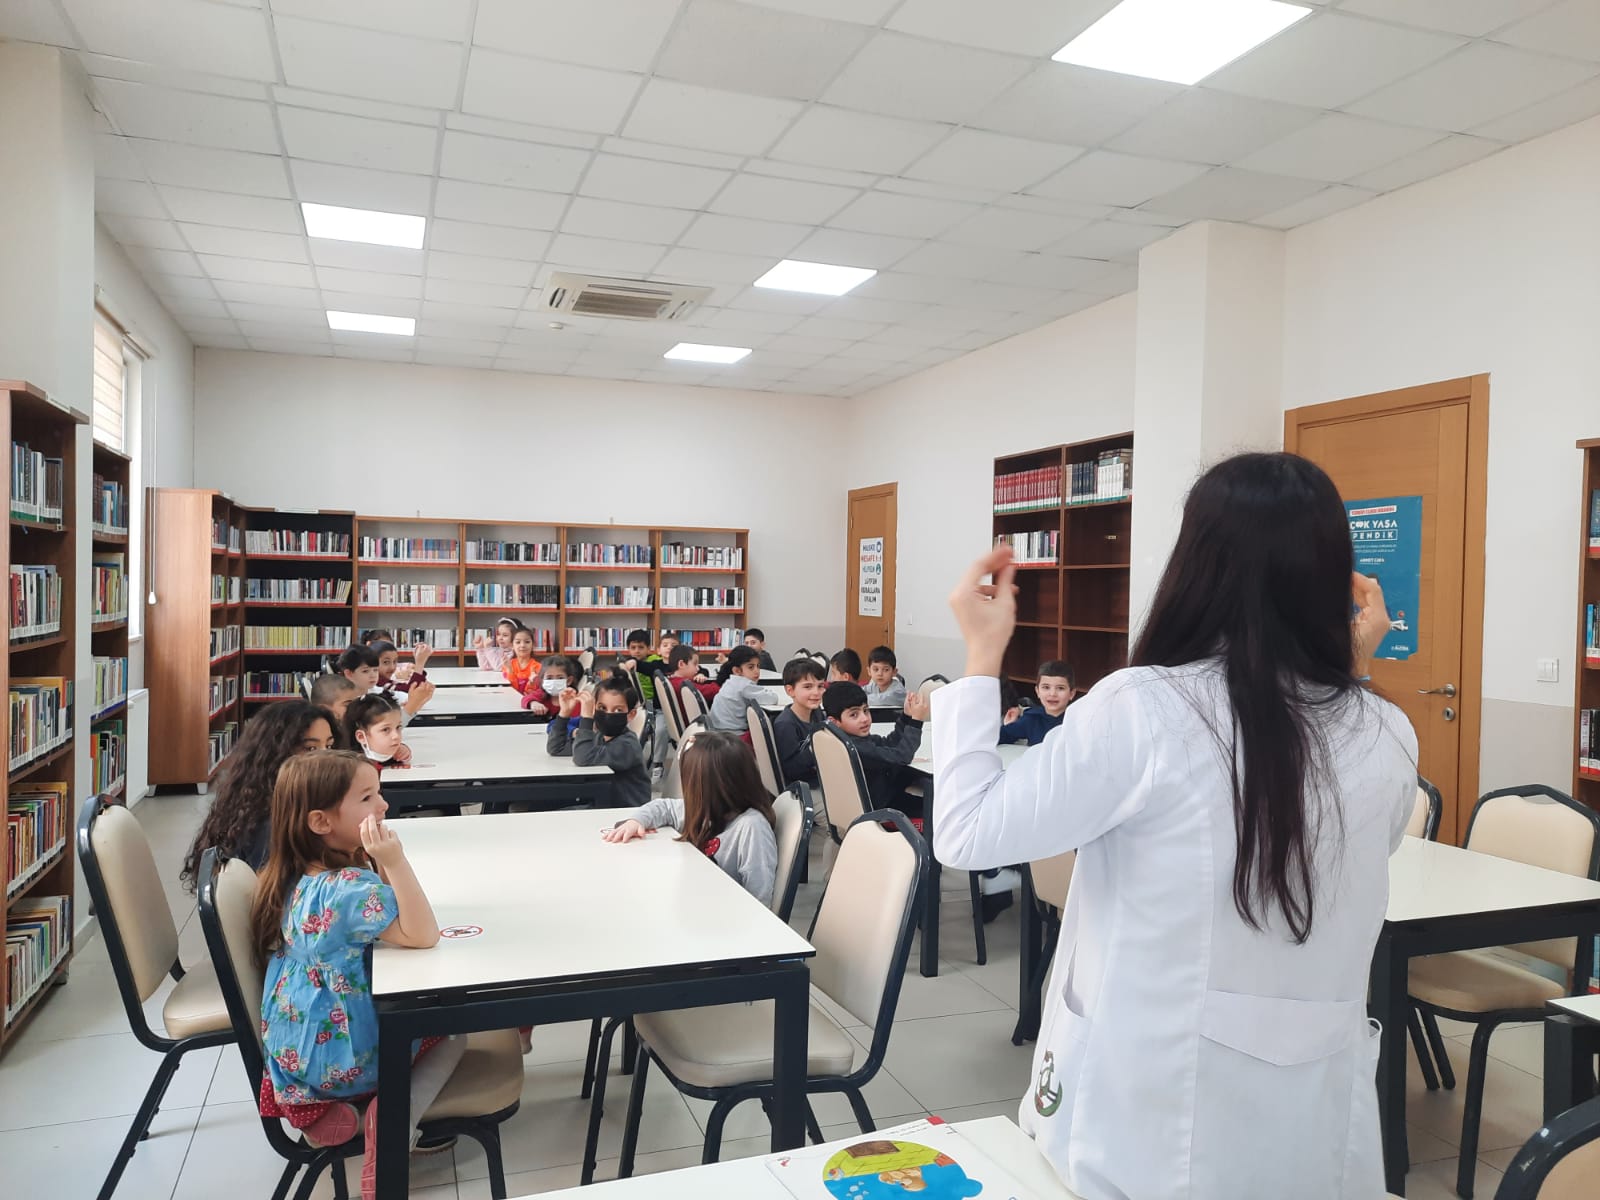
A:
[(937, 434), (394, 440), (1493, 268)]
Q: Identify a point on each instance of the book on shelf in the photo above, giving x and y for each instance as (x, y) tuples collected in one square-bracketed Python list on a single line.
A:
[(1594, 523), (110, 503), (35, 601), (277, 683), (296, 541), (220, 741), (110, 681), (311, 591), (109, 584), (512, 595), (1108, 476), (37, 816), (682, 554), (40, 717), (1033, 549), (1025, 491), (702, 597), (438, 639), (1591, 635), (546, 554), (1589, 742), (615, 638), (108, 756), (224, 640), (38, 932), (419, 595), (399, 549), (608, 597), (706, 639), (38, 485), (597, 554), (296, 637)]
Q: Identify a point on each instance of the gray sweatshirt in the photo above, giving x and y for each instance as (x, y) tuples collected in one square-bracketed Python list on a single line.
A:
[(892, 696), (747, 849), (727, 710), (622, 754)]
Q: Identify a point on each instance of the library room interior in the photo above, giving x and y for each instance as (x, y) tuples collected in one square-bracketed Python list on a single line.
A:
[(801, 599)]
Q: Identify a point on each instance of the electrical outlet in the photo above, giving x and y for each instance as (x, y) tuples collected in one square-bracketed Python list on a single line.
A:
[(1549, 670)]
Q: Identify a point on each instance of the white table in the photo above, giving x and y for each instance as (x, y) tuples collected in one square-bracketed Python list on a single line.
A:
[(1571, 1040), (498, 704), (563, 937), (749, 1178), (1442, 898), (491, 765), (453, 677)]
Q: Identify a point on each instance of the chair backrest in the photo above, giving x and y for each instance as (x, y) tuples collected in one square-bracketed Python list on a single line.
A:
[(765, 747), (1052, 876), (1560, 1162), (1540, 826), (638, 722), (862, 931), (227, 891), (843, 782), (794, 814), (930, 685), (692, 702), (1424, 821), (586, 661), (672, 707), (129, 901), (672, 785), (818, 657)]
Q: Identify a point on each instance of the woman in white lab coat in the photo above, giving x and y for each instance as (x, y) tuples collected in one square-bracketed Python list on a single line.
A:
[(1234, 797)]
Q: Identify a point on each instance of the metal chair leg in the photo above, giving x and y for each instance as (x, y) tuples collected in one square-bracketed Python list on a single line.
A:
[(1472, 1112), (630, 1127), (597, 1106), (141, 1120), (314, 1169), (977, 917), (1419, 1043), (290, 1170), (858, 1105), (490, 1141), (1441, 1053), (591, 1058), (712, 1150), (813, 1130), (630, 1047), (341, 1184)]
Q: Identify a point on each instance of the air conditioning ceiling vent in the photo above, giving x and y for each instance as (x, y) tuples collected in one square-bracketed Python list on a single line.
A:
[(623, 299)]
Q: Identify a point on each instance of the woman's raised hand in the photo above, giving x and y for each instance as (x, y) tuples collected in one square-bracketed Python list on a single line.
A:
[(987, 612)]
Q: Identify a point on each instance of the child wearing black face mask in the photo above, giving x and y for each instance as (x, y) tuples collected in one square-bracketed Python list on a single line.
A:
[(603, 737)]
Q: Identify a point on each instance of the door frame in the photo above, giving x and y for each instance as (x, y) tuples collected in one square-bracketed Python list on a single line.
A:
[(1472, 390), (852, 578)]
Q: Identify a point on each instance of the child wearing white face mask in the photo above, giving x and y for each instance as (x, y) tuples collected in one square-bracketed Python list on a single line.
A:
[(559, 674)]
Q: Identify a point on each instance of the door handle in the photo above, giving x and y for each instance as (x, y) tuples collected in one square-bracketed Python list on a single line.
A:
[(1448, 689)]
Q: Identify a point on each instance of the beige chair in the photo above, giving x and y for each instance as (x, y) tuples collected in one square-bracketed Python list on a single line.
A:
[(1560, 1162), (1045, 883), (1425, 812), (672, 780), (586, 661), (1426, 1039), (862, 935), (765, 747), (484, 1091), (142, 943), (692, 703), (930, 685), (1540, 826)]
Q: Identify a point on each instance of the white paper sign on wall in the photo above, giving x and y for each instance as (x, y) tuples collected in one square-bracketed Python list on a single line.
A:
[(869, 580)]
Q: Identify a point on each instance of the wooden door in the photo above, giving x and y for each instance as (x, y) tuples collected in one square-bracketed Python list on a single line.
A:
[(869, 569), (1428, 442)]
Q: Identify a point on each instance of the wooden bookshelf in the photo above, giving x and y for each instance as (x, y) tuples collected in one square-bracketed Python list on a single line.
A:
[(31, 418), (1586, 674), (108, 634), (1076, 607)]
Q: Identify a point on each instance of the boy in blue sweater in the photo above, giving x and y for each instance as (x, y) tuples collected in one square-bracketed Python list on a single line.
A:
[(1029, 726)]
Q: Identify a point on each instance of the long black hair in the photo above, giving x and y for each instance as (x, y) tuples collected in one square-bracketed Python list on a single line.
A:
[(1260, 578), (737, 657)]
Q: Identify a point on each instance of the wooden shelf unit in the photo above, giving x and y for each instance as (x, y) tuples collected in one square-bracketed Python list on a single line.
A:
[(108, 637), (1075, 609), (30, 417), (1586, 678)]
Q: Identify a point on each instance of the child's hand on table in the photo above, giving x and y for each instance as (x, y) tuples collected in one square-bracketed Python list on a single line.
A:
[(402, 756), (626, 832), (537, 709)]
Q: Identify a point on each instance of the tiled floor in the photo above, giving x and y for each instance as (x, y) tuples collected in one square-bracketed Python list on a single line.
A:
[(71, 1081)]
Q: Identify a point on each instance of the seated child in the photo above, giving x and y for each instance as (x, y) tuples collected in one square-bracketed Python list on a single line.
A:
[(493, 656), (522, 668), (334, 692), (368, 636), (359, 665), (684, 663), (881, 757), (406, 681), (738, 683), (792, 728), (603, 737), (665, 647), (845, 665), (757, 641), (885, 689), (645, 666), (1029, 726), (372, 727), (560, 673), (725, 813)]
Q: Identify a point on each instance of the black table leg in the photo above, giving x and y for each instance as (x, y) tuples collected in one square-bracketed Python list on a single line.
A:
[(930, 895), (1387, 1006), (1028, 983), (394, 1110), (788, 1107), (1569, 1049)]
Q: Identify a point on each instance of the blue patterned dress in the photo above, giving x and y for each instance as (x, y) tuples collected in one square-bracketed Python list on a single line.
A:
[(317, 1019)]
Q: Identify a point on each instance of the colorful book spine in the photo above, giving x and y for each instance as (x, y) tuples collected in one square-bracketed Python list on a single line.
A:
[(224, 641), (35, 601), (1040, 548), (608, 597), (512, 595), (37, 815), (407, 595), (698, 597), (707, 639), (38, 936), (1594, 523), (1591, 635), (269, 542), (296, 637), (597, 554), (702, 558), (396, 549), (544, 554), (286, 591)]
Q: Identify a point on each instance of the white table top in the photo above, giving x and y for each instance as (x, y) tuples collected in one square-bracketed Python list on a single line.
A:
[(467, 701), (451, 677), (923, 762), (1584, 1007), (554, 902), (1428, 880), (749, 1178), (446, 753)]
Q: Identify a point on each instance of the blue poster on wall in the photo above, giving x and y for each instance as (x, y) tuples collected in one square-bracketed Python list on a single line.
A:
[(1386, 535)]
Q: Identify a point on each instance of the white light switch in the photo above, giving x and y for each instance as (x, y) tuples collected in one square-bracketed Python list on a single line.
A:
[(1549, 670)]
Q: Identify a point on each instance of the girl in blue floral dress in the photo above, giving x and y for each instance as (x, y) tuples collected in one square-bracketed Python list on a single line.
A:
[(337, 880)]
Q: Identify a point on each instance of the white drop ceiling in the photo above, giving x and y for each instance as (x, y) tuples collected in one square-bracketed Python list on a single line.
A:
[(700, 141)]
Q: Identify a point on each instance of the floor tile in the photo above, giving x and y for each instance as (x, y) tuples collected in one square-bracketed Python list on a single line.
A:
[(71, 1160), (948, 1062), (1512, 1110), (82, 1079), (1437, 1181)]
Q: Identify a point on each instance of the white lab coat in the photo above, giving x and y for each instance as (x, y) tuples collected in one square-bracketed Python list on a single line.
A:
[(1183, 1055)]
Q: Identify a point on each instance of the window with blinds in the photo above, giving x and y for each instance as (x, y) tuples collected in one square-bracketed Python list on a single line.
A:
[(110, 385)]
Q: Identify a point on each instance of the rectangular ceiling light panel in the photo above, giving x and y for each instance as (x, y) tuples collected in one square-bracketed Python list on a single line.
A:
[(821, 279), (372, 323), (694, 352), (1180, 41), (363, 225)]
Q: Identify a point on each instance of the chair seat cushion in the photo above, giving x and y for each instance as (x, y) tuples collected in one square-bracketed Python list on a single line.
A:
[(487, 1079), (1473, 981), (195, 1005), (732, 1043)]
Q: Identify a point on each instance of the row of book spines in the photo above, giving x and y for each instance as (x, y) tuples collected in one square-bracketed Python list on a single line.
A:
[(110, 502), (596, 554), (40, 717), (108, 756), (1022, 491), (512, 593), (411, 549), (1108, 476), (699, 597), (545, 553), (224, 690), (1589, 742), (35, 600), (375, 591), (616, 638), (38, 933), (110, 681), (439, 639), (279, 591), (220, 741), (38, 484), (1594, 522), (225, 536), (296, 541), (1038, 547), (275, 683), (224, 640), (110, 589), (680, 554), (37, 815), (599, 597), (295, 637), (225, 589)]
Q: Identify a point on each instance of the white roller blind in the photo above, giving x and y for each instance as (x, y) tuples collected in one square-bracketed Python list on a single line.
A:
[(110, 384)]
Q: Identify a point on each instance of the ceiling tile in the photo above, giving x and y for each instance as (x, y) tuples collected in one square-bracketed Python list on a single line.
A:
[(462, 237), (765, 300), (745, 322), (1575, 104), (168, 287), (1060, 102), (307, 346), (960, 262), (835, 137), (462, 331), (103, 66), (189, 306), (1124, 180), (710, 266), (808, 173), (355, 256), (141, 231), (215, 170), (1316, 206), (475, 314), (378, 283), (1480, 83), (634, 148), (510, 164), (277, 314), (240, 212), (904, 76), (562, 94), (115, 157), (739, 48), (1036, 27), (1055, 270), (907, 216), (613, 177), (847, 248), (1012, 230), (181, 33), (256, 270), (1443, 155), (1473, 18), (245, 243), (1571, 27), (727, 122), (879, 312), (1336, 146), (39, 21), (205, 326), (129, 197), (1226, 194), (521, 131), (603, 255), (355, 106), (621, 34), (1211, 127), (866, 12), (219, 342), (1005, 162), (457, 291), (740, 235), (479, 202), (955, 193), (266, 293), (445, 19), (140, 110), (628, 222), (370, 63), (358, 141), (1330, 60), (781, 200), (360, 187), (810, 343)]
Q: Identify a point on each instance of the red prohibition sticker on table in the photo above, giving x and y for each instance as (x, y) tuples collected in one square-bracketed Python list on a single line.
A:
[(460, 931)]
